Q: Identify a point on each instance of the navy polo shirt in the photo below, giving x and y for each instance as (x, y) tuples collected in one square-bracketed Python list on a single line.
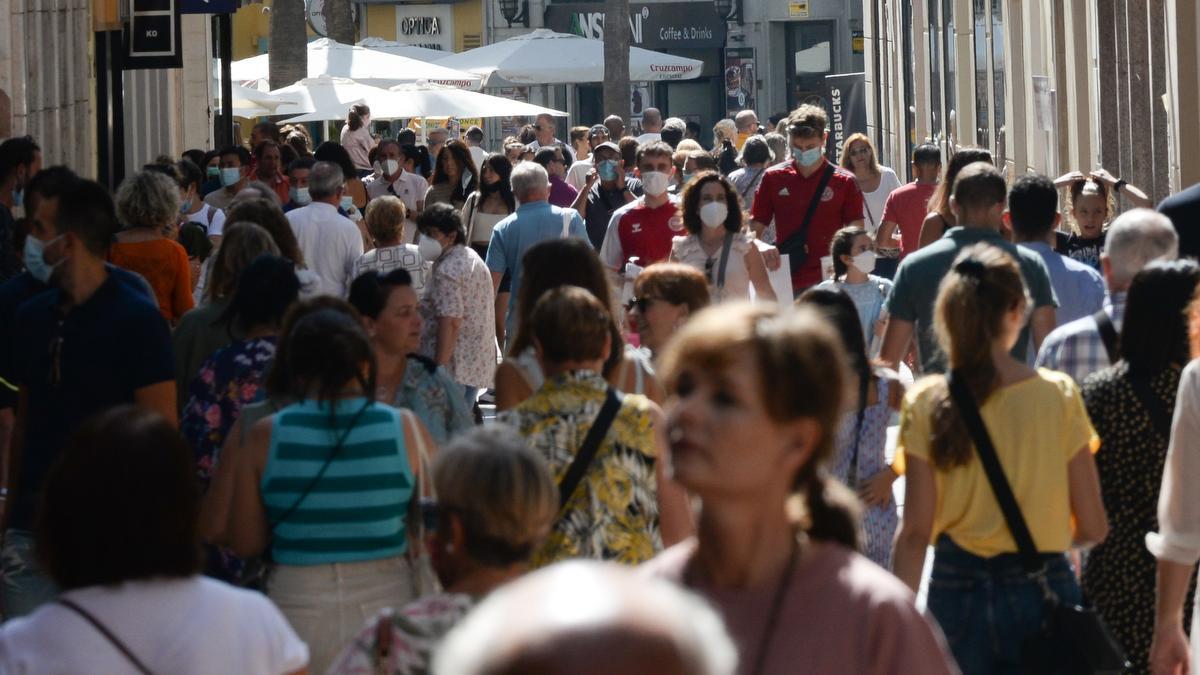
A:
[(73, 365)]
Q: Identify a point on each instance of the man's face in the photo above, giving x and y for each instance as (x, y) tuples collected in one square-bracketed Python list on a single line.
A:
[(268, 162), (598, 138), (802, 143), (256, 137), (659, 163), (299, 177), (927, 173), (437, 137), (44, 227), (557, 166), (605, 154), (615, 129), (233, 161), (545, 128)]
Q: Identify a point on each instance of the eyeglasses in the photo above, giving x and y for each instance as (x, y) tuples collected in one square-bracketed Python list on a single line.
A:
[(859, 152), (640, 303)]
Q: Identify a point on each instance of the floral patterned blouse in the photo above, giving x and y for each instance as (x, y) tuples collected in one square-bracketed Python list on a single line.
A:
[(402, 642), (229, 379), (461, 287), (613, 515), (435, 398)]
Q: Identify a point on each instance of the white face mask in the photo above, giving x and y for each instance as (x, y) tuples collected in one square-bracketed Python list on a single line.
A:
[(429, 248), (655, 183), (713, 214), (391, 167), (864, 262)]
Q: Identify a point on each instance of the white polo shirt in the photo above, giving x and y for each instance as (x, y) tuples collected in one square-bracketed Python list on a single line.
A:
[(330, 242)]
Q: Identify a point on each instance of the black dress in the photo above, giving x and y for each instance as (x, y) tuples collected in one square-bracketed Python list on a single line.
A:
[(1119, 575)]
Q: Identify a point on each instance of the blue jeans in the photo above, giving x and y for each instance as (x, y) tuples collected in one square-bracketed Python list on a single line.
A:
[(988, 607), (26, 586), (472, 394)]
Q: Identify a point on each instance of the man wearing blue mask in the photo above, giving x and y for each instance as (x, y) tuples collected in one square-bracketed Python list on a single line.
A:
[(787, 192), (90, 342), (235, 172), (20, 160), (610, 191)]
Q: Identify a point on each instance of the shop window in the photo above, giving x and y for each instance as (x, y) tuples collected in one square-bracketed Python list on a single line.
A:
[(983, 80), (998, 79), (953, 124), (810, 46), (935, 72)]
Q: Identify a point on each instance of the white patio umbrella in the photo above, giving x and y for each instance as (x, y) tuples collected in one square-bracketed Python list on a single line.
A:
[(327, 98), (366, 66), (400, 49), (426, 99), (248, 102), (547, 57)]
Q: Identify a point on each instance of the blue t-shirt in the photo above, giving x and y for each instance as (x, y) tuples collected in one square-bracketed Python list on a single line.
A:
[(73, 365), (530, 224)]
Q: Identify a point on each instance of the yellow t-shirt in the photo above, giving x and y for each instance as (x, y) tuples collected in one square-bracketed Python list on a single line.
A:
[(1037, 426)]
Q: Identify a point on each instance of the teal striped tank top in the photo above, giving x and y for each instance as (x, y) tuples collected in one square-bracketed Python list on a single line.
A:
[(356, 511)]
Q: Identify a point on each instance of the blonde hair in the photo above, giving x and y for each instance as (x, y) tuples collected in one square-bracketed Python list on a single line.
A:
[(385, 218), (241, 243), (148, 199), (802, 344), (501, 491), (856, 138)]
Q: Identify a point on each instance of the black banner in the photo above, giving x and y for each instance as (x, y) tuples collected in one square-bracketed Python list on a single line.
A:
[(847, 108), (657, 25)]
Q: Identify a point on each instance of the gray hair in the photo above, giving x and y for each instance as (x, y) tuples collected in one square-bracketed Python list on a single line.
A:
[(527, 179), (779, 146), (744, 119), (542, 615), (1135, 239), (725, 129), (675, 123), (255, 189), (148, 199), (325, 179)]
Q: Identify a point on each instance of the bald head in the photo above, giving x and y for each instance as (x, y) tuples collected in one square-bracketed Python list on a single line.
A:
[(585, 618), (746, 121)]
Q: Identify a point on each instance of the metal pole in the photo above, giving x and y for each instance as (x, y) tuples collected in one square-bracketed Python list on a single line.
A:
[(103, 119), (225, 40), (116, 68)]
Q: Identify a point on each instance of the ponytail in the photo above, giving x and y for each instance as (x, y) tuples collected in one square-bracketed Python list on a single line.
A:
[(355, 115), (982, 287), (841, 244), (829, 511)]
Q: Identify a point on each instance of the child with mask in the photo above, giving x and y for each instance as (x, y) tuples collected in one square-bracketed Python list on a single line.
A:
[(853, 254)]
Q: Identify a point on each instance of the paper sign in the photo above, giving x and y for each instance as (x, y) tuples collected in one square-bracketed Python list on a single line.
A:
[(798, 9)]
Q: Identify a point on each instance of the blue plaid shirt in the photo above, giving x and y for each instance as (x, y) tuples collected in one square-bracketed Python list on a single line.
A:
[(1076, 348)]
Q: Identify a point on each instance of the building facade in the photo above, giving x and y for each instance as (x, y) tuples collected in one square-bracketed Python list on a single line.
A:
[(1047, 87)]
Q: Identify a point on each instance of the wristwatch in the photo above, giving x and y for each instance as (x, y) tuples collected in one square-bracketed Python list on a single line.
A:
[(1121, 182)]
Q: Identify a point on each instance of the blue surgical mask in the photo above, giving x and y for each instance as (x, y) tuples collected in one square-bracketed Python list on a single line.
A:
[(35, 258), (685, 178), (807, 157), (347, 202), (300, 196), (607, 170), (18, 197), (185, 207), (213, 172), (230, 176)]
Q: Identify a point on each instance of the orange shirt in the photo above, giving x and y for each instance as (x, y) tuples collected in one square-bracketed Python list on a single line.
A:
[(164, 264)]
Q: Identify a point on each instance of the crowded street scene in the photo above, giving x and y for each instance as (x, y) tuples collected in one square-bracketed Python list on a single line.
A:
[(687, 337)]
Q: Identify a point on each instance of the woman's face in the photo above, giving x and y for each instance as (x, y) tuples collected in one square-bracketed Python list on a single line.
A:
[(722, 440), (657, 322), (860, 154), (488, 176), (397, 329), (1090, 211), (712, 191), (449, 164)]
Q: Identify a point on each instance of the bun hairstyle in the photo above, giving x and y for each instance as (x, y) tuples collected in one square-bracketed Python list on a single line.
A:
[(984, 284), (354, 117), (1090, 187), (802, 344)]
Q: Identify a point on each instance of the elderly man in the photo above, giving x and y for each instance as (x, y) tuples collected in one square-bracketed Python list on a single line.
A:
[(330, 242), (673, 131), (268, 169), (545, 126), (652, 122), (1135, 239), (577, 174), (747, 126), (534, 221), (588, 618)]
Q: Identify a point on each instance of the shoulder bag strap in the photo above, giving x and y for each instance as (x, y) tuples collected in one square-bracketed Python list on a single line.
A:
[(108, 635), (753, 183), (724, 260), (567, 218), (1160, 413), (800, 236), (591, 443), (863, 385), (1108, 335), (472, 203), (967, 408)]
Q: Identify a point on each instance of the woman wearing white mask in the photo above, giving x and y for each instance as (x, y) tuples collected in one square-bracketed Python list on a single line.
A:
[(853, 253), (459, 328), (717, 242)]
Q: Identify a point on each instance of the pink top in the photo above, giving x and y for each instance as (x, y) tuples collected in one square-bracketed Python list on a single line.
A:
[(842, 614)]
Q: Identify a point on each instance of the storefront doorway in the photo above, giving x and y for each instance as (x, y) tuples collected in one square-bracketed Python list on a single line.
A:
[(811, 50)]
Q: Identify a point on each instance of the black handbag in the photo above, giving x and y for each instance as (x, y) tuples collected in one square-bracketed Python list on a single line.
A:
[(796, 246), (1073, 639)]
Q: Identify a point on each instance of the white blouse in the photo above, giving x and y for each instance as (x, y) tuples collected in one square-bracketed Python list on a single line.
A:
[(687, 250), (873, 202)]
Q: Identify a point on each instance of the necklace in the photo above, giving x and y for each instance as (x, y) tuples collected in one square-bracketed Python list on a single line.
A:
[(768, 633)]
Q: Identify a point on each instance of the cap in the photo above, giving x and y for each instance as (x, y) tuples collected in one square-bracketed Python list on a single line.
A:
[(597, 129), (608, 145)]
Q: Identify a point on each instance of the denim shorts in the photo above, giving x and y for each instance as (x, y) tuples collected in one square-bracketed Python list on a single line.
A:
[(988, 607)]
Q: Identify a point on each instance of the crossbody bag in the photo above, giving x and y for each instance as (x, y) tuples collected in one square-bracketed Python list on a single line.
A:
[(1073, 639), (796, 246), (587, 451)]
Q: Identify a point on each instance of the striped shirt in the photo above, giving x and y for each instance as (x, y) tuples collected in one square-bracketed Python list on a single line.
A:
[(356, 510)]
